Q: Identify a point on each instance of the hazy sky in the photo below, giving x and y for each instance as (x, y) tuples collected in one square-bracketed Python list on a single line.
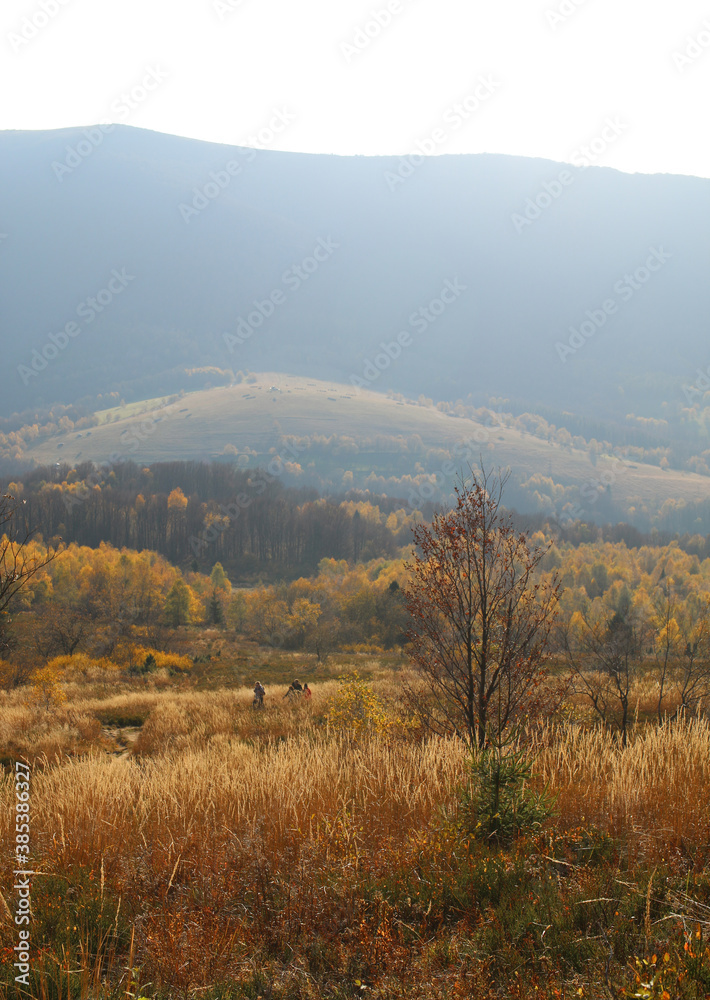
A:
[(629, 79)]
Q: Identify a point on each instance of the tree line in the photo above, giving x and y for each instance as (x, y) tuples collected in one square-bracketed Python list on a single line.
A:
[(196, 514)]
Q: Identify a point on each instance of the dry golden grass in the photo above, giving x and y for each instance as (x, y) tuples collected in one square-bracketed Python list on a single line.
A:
[(231, 833), (227, 822), (187, 720), (655, 791), (212, 764), (306, 787), (30, 731), (657, 788), (172, 718)]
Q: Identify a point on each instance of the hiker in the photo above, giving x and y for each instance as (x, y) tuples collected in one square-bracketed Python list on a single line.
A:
[(295, 690), (259, 692), (307, 693)]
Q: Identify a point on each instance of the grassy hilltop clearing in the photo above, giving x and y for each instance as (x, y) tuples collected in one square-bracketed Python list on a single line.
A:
[(324, 430), (248, 418)]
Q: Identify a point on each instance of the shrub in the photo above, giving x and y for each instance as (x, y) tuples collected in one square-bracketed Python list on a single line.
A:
[(497, 802), (144, 660), (357, 708)]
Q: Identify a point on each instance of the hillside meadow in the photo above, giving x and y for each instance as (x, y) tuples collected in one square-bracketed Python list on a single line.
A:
[(329, 436), (187, 845)]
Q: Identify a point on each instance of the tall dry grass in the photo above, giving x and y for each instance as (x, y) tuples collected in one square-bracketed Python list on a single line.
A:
[(235, 833), (251, 845), (209, 756), (655, 792), (284, 792), (172, 719), (30, 731)]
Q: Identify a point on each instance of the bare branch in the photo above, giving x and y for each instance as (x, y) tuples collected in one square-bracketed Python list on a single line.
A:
[(18, 564), (479, 623)]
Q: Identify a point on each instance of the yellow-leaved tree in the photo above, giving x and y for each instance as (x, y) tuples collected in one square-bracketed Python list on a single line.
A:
[(19, 559), (47, 691)]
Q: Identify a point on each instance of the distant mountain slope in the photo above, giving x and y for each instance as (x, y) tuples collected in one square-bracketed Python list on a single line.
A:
[(315, 432), (335, 256)]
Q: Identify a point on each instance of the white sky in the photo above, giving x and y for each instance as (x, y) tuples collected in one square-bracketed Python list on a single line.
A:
[(229, 70)]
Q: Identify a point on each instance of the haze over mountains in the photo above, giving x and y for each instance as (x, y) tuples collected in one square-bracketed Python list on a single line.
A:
[(481, 264)]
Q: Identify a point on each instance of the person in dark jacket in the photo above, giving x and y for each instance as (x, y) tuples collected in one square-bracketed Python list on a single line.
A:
[(295, 690), (259, 692)]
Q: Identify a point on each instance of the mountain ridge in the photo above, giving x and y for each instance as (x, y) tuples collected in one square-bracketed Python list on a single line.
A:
[(451, 220)]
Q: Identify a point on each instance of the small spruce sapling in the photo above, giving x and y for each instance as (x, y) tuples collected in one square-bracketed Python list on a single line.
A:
[(496, 801)]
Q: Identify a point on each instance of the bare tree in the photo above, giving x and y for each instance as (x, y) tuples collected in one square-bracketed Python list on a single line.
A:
[(666, 638), (17, 563), (682, 650), (61, 629), (603, 651), (479, 617)]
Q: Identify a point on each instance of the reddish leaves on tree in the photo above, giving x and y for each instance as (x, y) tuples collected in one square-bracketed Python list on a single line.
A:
[(479, 617)]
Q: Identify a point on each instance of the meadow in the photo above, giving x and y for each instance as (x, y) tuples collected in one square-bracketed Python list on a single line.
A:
[(319, 429), (186, 845)]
